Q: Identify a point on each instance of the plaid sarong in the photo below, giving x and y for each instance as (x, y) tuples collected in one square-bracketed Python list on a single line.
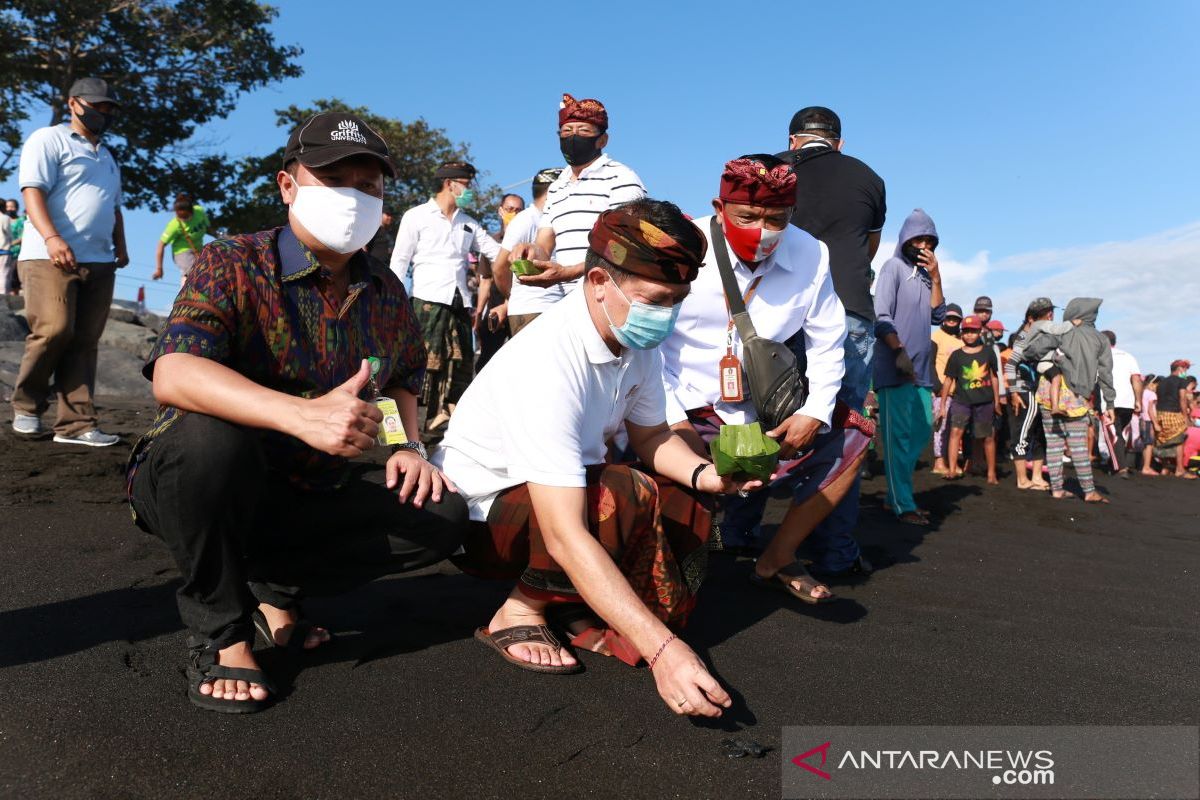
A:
[(1173, 427), (655, 530), (450, 360)]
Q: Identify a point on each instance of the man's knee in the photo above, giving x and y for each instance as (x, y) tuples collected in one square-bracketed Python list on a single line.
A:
[(448, 522)]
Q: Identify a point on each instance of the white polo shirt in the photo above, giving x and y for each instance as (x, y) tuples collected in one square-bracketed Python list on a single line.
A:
[(437, 248), (573, 204), (795, 292), (524, 299), (544, 406), (82, 184)]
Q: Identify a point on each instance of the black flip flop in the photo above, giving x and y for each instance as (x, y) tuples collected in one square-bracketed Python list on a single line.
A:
[(203, 668), (301, 628)]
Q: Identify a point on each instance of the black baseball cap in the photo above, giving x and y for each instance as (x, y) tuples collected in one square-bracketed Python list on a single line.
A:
[(954, 310), (331, 136), (93, 90), (545, 177), (1041, 305), (815, 118), (983, 302)]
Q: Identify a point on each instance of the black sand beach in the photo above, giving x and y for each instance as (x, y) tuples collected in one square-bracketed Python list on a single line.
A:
[(1011, 609)]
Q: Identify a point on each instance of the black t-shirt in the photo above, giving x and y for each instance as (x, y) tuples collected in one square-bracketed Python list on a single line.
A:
[(840, 200), (973, 374), (1168, 393)]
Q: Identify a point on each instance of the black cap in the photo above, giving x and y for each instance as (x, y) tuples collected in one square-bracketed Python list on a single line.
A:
[(331, 136), (955, 309), (817, 119), (455, 170), (1041, 305), (984, 302), (545, 177), (93, 90)]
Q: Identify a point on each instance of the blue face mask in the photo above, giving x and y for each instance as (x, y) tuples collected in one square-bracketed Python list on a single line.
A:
[(646, 327), (466, 199)]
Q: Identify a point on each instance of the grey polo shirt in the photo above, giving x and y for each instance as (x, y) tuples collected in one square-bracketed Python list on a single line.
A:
[(82, 184)]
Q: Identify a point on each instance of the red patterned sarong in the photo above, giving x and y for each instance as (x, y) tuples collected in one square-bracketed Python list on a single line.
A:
[(655, 530)]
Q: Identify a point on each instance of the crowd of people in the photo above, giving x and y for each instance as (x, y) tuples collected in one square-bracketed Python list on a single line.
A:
[(575, 371)]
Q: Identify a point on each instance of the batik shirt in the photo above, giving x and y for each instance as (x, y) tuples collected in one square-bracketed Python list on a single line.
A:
[(262, 305)]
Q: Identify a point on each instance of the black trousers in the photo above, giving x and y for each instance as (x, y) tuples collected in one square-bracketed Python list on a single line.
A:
[(1025, 435), (242, 535)]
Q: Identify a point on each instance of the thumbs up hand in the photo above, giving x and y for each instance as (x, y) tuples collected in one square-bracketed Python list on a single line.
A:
[(338, 423)]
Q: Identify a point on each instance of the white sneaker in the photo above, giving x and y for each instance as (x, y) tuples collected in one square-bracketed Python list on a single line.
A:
[(27, 424), (93, 438)]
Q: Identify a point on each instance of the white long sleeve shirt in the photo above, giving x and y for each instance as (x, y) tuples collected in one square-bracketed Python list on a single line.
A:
[(796, 292), (437, 248)]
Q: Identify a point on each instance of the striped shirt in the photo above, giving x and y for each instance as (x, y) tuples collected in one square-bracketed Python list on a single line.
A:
[(573, 204)]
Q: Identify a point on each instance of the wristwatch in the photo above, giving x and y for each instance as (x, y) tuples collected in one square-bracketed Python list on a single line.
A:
[(416, 447)]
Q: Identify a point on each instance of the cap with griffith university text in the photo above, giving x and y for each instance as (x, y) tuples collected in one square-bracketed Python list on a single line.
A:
[(330, 136)]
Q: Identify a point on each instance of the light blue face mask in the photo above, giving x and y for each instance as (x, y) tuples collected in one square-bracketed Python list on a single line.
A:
[(646, 327), (466, 199)]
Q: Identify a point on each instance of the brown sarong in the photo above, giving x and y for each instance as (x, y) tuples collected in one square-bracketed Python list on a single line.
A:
[(1172, 429), (655, 530)]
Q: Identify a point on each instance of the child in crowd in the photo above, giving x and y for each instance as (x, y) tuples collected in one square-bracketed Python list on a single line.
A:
[(1146, 424), (975, 397)]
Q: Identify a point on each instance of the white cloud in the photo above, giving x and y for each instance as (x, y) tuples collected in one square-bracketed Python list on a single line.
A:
[(1150, 287)]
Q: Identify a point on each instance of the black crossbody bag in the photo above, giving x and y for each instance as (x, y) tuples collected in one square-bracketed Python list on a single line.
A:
[(773, 375)]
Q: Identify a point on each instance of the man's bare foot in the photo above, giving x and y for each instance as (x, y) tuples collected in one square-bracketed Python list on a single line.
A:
[(992, 481), (520, 609), (281, 620), (237, 656), (1149, 473), (1187, 476), (804, 584)]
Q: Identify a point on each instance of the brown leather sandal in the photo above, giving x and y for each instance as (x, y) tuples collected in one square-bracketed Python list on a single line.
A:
[(501, 640)]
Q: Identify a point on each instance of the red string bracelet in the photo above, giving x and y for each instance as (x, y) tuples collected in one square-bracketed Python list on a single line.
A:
[(661, 647)]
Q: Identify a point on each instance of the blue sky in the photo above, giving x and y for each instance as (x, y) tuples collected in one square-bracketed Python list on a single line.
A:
[(1029, 131)]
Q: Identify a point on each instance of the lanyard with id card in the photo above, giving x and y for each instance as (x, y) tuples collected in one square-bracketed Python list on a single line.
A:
[(730, 368), (391, 429)]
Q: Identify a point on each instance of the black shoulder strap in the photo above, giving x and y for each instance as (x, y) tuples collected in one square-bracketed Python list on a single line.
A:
[(733, 296)]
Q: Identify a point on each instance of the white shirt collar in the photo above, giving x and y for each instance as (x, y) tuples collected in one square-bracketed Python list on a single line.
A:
[(593, 343)]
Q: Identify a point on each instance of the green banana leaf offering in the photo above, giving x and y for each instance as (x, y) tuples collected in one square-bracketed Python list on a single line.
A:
[(523, 266), (743, 450)]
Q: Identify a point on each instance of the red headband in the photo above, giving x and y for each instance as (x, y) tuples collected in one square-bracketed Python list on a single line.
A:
[(572, 110), (749, 181), (637, 246)]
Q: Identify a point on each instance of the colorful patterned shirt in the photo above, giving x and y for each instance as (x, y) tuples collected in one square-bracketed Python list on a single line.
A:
[(262, 305)]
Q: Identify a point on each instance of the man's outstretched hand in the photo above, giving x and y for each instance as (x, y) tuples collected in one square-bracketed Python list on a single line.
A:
[(338, 423)]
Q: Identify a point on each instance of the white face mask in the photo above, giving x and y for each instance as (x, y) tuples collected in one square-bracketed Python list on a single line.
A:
[(343, 220)]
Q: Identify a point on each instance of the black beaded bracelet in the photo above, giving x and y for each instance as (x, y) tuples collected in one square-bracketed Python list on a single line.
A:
[(696, 475)]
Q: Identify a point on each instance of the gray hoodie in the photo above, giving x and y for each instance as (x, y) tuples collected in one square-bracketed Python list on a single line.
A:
[(1087, 355), (902, 296)]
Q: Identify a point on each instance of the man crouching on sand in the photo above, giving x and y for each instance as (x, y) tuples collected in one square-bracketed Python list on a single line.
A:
[(527, 449), (267, 373)]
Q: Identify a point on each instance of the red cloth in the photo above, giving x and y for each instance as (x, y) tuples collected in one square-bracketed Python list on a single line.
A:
[(749, 181), (589, 110), (635, 245)]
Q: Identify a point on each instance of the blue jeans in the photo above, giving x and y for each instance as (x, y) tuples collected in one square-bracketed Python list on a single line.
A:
[(832, 543)]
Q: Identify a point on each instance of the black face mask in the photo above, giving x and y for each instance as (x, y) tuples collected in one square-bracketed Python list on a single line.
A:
[(94, 120), (12, 214), (579, 150), (953, 330)]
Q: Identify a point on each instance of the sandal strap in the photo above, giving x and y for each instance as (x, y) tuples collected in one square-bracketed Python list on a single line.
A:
[(301, 628), (218, 672), (524, 634)]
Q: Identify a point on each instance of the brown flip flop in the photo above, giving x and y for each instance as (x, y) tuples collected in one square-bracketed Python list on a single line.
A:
[(501, 640), (782, 580)]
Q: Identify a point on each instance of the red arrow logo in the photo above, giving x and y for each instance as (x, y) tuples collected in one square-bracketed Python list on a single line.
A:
[(823, 749)]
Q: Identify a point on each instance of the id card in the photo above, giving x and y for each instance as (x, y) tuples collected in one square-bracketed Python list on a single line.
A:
[(391, 430), (731, 379)]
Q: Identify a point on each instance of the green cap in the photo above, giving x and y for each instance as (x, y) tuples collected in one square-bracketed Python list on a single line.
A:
[(374, 362)]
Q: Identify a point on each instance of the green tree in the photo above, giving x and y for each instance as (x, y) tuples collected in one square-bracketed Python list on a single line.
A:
[(175, 66), (253, 201)]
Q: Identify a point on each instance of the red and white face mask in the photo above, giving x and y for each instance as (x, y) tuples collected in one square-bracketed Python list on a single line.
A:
[(751, 245)]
